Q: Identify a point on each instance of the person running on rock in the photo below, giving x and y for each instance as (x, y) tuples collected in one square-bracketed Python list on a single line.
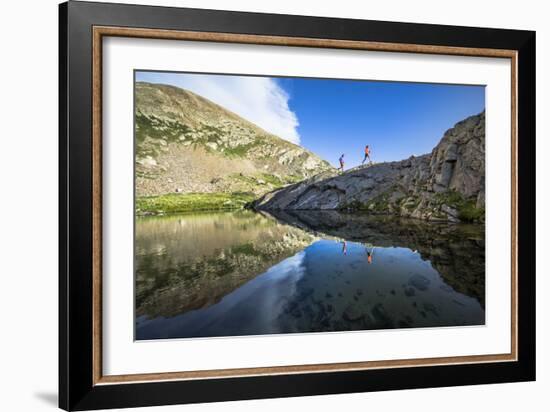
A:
[(341, 162), (367, 155)]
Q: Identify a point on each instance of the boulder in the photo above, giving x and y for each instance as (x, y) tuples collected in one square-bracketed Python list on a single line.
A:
[(352, 313)]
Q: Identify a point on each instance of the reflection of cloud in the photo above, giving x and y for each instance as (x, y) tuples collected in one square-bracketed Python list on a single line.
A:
[(251, 309), (280, 281), (260, 100), (291, 267)]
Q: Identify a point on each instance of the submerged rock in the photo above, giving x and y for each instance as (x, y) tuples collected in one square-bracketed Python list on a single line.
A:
[(381, 317), (409, 292), (352, 313), (420, 282)]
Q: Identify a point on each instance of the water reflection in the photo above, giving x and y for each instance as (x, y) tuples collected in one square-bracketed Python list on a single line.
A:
[(192, 261), (245, 273), (456, 251)]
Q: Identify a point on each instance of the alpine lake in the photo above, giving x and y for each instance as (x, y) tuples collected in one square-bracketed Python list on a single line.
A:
[(251, 273)]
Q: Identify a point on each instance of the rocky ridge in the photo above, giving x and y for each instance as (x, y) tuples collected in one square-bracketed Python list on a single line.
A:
[(447, 184)]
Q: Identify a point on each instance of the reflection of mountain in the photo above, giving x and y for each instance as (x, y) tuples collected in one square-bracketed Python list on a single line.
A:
[(250, 309), (457, 252), (192, 261)]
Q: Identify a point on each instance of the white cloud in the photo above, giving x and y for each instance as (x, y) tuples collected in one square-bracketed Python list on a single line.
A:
[(259, 100)]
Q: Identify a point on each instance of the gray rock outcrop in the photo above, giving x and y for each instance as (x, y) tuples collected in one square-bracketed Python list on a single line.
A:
[(447, 184)]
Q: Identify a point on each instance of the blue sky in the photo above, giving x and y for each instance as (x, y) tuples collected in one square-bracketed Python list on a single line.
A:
[(331, 117)]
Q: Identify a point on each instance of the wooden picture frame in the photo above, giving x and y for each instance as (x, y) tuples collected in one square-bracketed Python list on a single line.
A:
[(82, 384)]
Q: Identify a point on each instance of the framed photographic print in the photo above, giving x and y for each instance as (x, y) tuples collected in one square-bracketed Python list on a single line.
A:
[(257, 205)]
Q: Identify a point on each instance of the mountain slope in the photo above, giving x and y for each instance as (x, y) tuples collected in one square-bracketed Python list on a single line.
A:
[(188, 144), (447, 184)]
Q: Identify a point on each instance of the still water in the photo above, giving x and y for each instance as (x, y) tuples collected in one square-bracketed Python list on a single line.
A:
[(248, 273)]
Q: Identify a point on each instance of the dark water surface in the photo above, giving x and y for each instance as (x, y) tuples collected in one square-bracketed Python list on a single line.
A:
[(247, 273)]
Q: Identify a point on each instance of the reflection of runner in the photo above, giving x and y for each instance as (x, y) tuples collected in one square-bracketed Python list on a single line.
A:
[(344, 247), (370, 254)]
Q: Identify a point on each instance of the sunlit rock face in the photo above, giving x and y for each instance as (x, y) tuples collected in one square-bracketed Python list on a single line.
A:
[(445, 185)]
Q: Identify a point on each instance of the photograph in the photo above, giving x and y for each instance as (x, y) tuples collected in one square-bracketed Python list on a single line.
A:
[(257, 204), (272, 205)]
